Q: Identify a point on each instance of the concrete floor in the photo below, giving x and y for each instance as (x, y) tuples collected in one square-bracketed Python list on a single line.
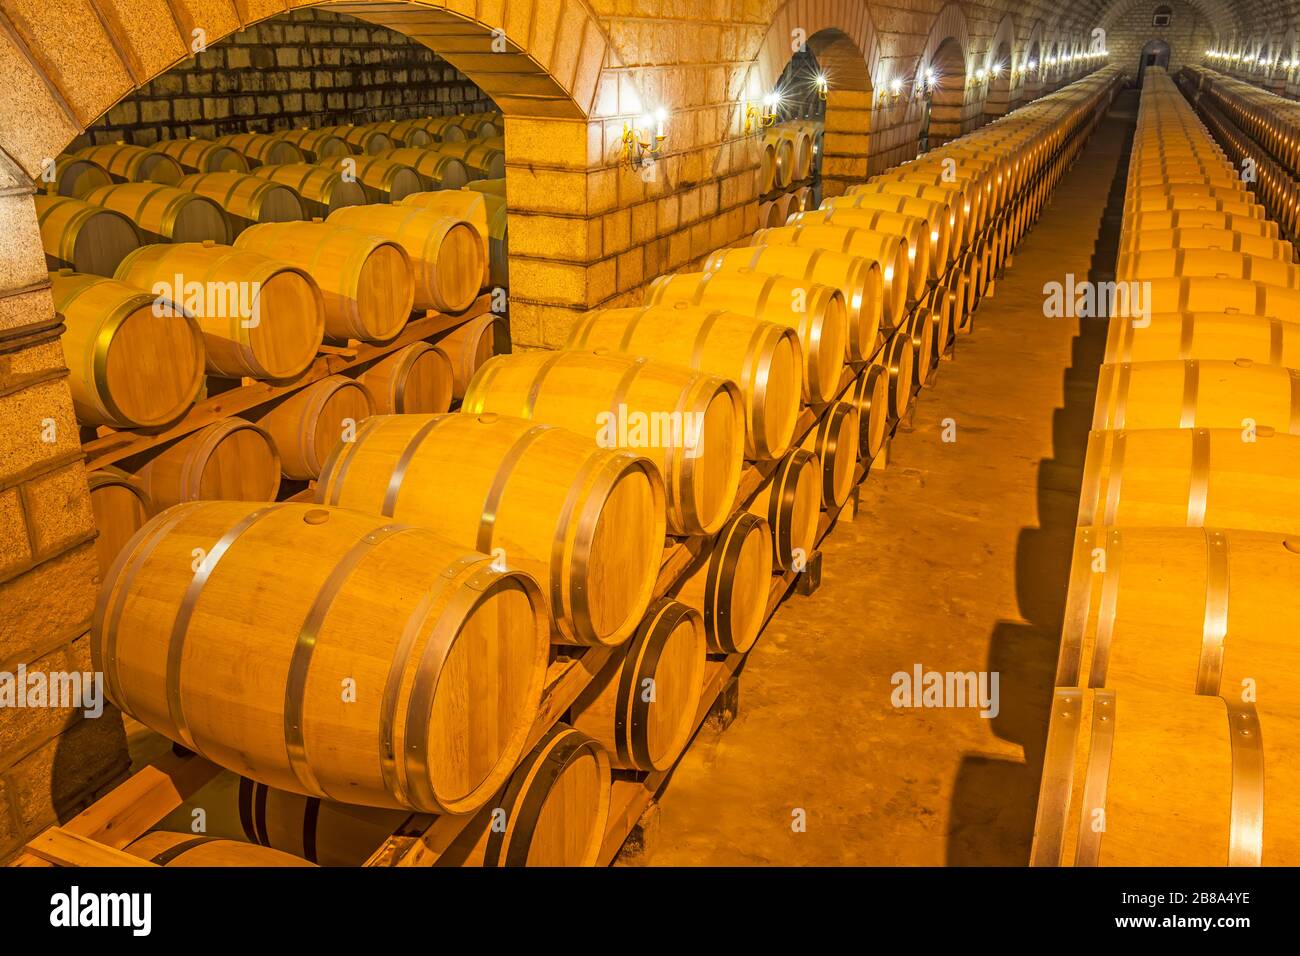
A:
[(958, 560)]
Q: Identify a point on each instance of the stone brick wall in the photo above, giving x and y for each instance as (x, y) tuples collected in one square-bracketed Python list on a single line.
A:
[(1189, 35), (307, 68)]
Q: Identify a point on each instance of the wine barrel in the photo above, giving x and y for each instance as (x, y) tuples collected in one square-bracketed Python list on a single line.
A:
[(553, 813), (870, 393), (914, 229), (770, 215), (783, 158), (766, 167), (486, 125), (186, 849), (1215, 263), (229, 460), (471, 344), (1192, 477), (406, 132), (835, 441), (486, 213), (1145, 205), (443, 128), (130, 364), (83, 237), (691, 425), (801, 148), (641, 706), (481, 161), (900, 359), (926, 356), (937, 216), (1119, 761), (729, 583), (760, 357), (585, 522), (949, 207), (247, 199), (1204, 335), (203, 156), (497, 187), (74, 177), (165, 213), (364, 140), (260, 317), (366, 280), (415, 380), (321, 189), (121, 507), (1198, 394), (133, 164), (446, 254), (317, 145), (437, 170), (308, 425), (889, 251), (859, 280), (789, 500), (458, 647), (384, 180), (1150, 240), (816, 312), (1220, 294), (1199, 219), (264, 149)]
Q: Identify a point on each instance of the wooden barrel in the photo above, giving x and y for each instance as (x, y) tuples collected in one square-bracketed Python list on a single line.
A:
[(925, 354), (1192, 477), (1145, 205), (364, 140), (1198, 394), (443, 128), (247, 199), (482, 161), (900, 360), (816, 312), (83, 237), (870, 393), (783, 158), (760, 357), (75, 176), (322, 189), (229, 460), (486, 213), (859, 280), (317, 145), (835, 440), (203, 156), (409, 132), (1215, 263), (801, 145), (691, 425), (729, 584), (1162, 777), (1220, 294), (554, 811), (366, 280), (446, 254), (641, 706), (437, 170), (454, 652), (121, 507), (261, 317), (496, 187), (948, 203), (937, 216), (187, 849), (769, 214), (415, 380), (766, 167), (586, 522), (133, 164), (264, 149), (1150, 240), (165, 213), (471, 344), (308, 425), (480, 125), (1204, 335), (1199, 219), (384, 180), (890, 251), (789, 500), (130, 364), (912, 228)]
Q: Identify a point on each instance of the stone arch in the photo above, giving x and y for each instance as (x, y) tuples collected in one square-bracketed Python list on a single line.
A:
[(1035, 50), (1000, 62), (946, 57)]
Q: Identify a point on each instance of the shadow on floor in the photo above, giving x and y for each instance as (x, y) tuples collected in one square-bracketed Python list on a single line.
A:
[(996, 792)]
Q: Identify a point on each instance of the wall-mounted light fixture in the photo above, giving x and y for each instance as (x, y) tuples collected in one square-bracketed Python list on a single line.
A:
[(644, 141), (762, 116), (823, 87)]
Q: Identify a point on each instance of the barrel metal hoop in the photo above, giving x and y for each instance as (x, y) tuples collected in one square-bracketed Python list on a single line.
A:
[(341, 458), (1115, 476), (1295, 402), (1096, 779), (1090, 489), (1078, 605), (492, 500), (1058, 777), (295, 686), (1198, 482), (645, 648), (398, 477), (173, 853), (535, 389), (1191, 391), (184, 613), (1186, 336), (1246, 830), (1107, 609), (1209, 671)]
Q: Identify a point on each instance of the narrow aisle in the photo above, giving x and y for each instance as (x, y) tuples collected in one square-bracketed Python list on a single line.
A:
[(958, 561)]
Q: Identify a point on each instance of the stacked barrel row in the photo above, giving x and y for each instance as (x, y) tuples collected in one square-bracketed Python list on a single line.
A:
[(1177, 704), (788, 163), (401, 625)]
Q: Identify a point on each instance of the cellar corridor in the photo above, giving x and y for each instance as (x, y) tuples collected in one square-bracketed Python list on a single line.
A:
[(958, 560)]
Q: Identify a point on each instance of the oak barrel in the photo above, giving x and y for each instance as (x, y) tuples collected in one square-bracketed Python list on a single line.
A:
[(317, 145), (789, 500), (166, 213), (247, 199), (121, 507), (1198, 394), (384, 180), (835, 439), (438, 171), (74, 176), (1204, 335), (308, 424), (229, 460), (870, 392), (187, 849), (471, 344), (486, 213), (322, 189), (133, 164), (729, 583), (83, 237), (912, 228), (264, 149), (900, 360), (415, 380), (203, 156)]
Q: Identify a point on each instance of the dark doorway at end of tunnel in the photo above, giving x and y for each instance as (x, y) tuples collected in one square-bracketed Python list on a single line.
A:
[(1155, 53)]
